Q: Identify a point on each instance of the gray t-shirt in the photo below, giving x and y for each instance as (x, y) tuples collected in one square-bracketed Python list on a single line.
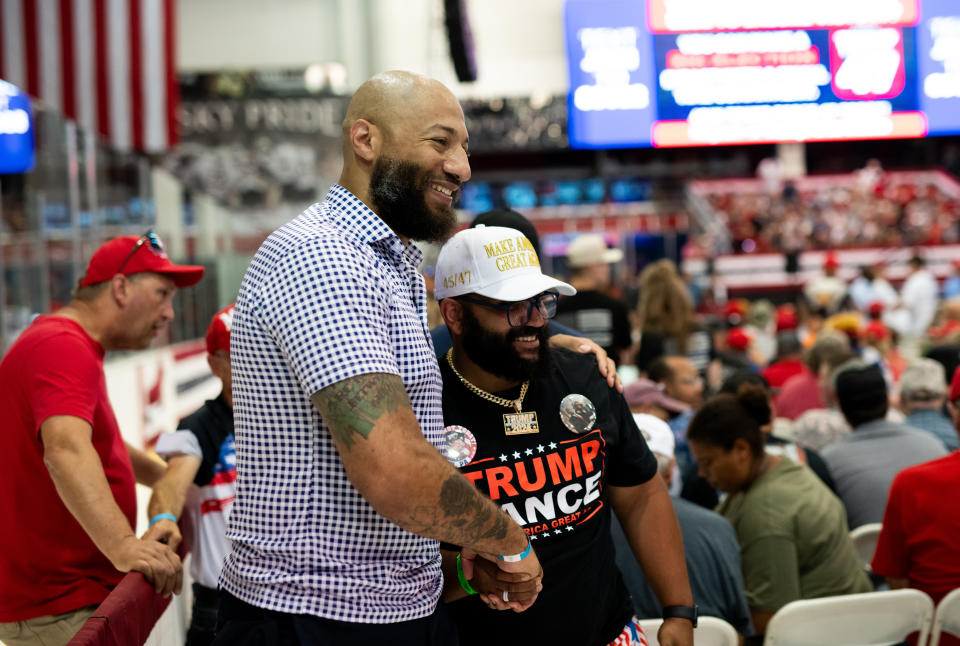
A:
[(864, 463), (713, 566)]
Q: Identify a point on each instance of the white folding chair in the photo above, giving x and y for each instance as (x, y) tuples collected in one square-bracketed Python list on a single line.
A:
[(865, 540), (710, 631), (946, 617), (868, 619)]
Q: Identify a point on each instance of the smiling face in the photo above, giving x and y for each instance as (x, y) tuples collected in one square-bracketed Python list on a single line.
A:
[(507, 352), (417, 177)]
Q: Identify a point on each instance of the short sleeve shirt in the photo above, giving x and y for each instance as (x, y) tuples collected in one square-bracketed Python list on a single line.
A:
[(50, 565), (331, 295), (554, 483), (920, 539), (794, 542)]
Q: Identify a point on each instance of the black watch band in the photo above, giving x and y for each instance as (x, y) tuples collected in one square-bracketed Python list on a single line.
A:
[(682, 612)]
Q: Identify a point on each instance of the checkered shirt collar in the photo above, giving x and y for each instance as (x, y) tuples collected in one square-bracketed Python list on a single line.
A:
[(358, 220)]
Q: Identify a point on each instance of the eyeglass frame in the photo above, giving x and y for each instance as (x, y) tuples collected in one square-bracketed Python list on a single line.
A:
[(506, 307), (155, 245)]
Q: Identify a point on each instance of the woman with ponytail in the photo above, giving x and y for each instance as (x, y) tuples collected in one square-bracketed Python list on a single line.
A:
[(792, 529)]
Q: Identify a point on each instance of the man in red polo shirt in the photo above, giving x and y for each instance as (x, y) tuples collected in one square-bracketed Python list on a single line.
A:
[(67, 495), (919, 544)]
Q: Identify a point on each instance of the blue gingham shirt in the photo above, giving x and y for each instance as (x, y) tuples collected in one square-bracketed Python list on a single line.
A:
[(331, 295)]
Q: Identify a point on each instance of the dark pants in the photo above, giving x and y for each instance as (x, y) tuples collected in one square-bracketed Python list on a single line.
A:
[(203, 623), (240, 624)]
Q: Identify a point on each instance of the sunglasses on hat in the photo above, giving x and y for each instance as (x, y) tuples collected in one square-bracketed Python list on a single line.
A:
[(151, 239)]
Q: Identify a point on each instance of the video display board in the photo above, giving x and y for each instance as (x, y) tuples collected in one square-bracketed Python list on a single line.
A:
[(16, 130), (707, 72)]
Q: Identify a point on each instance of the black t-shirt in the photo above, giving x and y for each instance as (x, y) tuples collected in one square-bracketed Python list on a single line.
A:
[(554, 483), (212, 423), (599, 317)]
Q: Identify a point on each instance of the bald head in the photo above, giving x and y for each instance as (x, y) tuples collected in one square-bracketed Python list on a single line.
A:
[(389, 100), (405, 153)]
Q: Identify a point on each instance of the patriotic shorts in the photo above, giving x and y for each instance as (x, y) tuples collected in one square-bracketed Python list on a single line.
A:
[(632, 635)]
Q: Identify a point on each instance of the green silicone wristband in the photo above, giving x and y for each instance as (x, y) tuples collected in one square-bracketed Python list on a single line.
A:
[(463, 580)]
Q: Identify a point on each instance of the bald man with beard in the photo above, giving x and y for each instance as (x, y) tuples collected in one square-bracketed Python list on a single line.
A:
[(342, 491)]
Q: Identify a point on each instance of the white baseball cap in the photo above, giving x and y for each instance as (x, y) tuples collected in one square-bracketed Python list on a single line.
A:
[(496, 262), (657, 433), (591, 249)]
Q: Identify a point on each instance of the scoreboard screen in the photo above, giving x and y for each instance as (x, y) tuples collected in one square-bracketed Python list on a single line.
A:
[(713, 72)]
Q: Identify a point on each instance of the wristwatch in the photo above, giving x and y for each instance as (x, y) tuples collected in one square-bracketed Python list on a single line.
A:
[(682, 612)]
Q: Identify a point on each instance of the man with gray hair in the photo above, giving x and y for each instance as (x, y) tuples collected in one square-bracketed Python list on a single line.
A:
[(864, 463), (923, 390)]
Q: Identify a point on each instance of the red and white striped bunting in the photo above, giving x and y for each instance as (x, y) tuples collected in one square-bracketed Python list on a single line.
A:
[(107, 64)]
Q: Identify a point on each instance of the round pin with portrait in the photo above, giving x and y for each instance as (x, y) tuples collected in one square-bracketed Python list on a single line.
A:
[(578, 413), (459, 445)]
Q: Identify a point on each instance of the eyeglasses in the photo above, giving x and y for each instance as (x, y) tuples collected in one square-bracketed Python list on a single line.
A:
[(518, 313), (150, 238)]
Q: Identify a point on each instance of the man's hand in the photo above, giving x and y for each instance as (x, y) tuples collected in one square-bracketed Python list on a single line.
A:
[(78, 475), (164, 531), (158, 563), (169, 494), (675, 632), (491, 583), (608, 368)]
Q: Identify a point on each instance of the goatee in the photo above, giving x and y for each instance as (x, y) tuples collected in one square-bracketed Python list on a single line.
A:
[(398, 190)]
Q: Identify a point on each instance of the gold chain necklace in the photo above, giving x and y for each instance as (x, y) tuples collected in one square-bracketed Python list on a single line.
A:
[(518, 423), (515, 404)]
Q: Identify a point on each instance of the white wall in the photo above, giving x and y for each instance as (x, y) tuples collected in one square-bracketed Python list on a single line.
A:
[(519, 43), (246, 34)]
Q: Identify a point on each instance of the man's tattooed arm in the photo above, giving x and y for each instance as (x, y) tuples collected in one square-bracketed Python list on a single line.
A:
[(351, 408), (402, 475)]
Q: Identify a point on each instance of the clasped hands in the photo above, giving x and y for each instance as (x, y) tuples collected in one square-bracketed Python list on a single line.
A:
[(503, 585)]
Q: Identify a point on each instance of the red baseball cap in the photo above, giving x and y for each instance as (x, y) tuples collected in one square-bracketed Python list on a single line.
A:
[(133, 255), (830, 261), (955, 385), (738, 339), (875, 331), (218, 333), (786, 318)]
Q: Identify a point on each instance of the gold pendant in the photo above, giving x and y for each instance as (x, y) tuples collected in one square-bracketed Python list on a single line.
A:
[(520, 423)]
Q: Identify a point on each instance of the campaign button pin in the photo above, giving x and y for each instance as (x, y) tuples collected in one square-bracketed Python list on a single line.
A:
[(459, 445), (578, 413)]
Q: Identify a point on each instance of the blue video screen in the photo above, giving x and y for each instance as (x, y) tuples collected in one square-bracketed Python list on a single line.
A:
[(712, 72)]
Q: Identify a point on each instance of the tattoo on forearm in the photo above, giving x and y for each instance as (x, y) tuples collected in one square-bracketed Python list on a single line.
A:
[(462, 516), (478, 517), (353, 407)]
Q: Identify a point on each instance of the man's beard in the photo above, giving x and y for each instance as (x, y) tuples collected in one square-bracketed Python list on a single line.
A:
[(398, 190), (495, 352)]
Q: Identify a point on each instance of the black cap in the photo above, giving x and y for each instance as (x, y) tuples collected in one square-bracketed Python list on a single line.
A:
[(512, 220), (861, 393)]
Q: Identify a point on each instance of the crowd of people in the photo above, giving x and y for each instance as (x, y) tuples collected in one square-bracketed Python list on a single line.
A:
[(872, 210), (545, 464), (794, 422)]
